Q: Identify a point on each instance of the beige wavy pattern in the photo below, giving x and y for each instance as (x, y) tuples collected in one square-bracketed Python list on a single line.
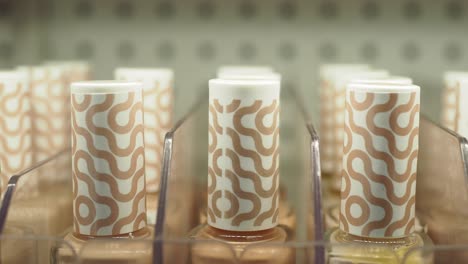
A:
[(108, 200), (158, 111), (390, 189), (228, 122), (15, 133)]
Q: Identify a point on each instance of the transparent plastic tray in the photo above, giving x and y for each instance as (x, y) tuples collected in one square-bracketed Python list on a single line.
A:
[(442, 196), (442, 190), (34, 215)]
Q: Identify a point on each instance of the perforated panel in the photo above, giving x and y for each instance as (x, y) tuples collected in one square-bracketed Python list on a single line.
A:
[(420, 39)]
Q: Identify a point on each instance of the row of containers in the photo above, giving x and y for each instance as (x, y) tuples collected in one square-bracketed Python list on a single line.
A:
[(60, 204)]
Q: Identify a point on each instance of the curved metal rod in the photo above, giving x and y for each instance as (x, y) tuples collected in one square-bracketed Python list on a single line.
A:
[(315, 174), (12, 187), (461, 140)]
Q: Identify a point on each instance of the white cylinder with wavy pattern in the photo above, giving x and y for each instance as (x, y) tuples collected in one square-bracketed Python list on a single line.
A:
[(15, 126), (327, 147), (380, 160), (243, 159), (108, 158), (158, 113), (451, 99)]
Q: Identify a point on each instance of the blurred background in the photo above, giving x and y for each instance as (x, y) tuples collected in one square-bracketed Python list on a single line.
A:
[(416, 38)]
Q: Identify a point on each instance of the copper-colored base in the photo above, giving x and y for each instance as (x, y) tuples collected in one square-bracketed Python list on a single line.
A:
[(213, 245)]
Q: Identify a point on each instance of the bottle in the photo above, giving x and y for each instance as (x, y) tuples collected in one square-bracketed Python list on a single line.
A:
[(108, 169), (377, 211), (287, 215), (243, 175), (332, 211), (158, 113)]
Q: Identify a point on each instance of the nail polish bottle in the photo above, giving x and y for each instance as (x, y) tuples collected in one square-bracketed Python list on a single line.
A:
[(108, 167), (450, 100), (158, 97), (377, 212), (326, 129), (243, 175), (287, 215), (332, 211)]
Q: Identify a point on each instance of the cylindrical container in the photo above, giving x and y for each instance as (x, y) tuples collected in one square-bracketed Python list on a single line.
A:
[(243, 70), (158, 97), (243, 159), (326, 128), (15, 126), (108, 158), (450, 100), (380, 160), (339, 83)]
